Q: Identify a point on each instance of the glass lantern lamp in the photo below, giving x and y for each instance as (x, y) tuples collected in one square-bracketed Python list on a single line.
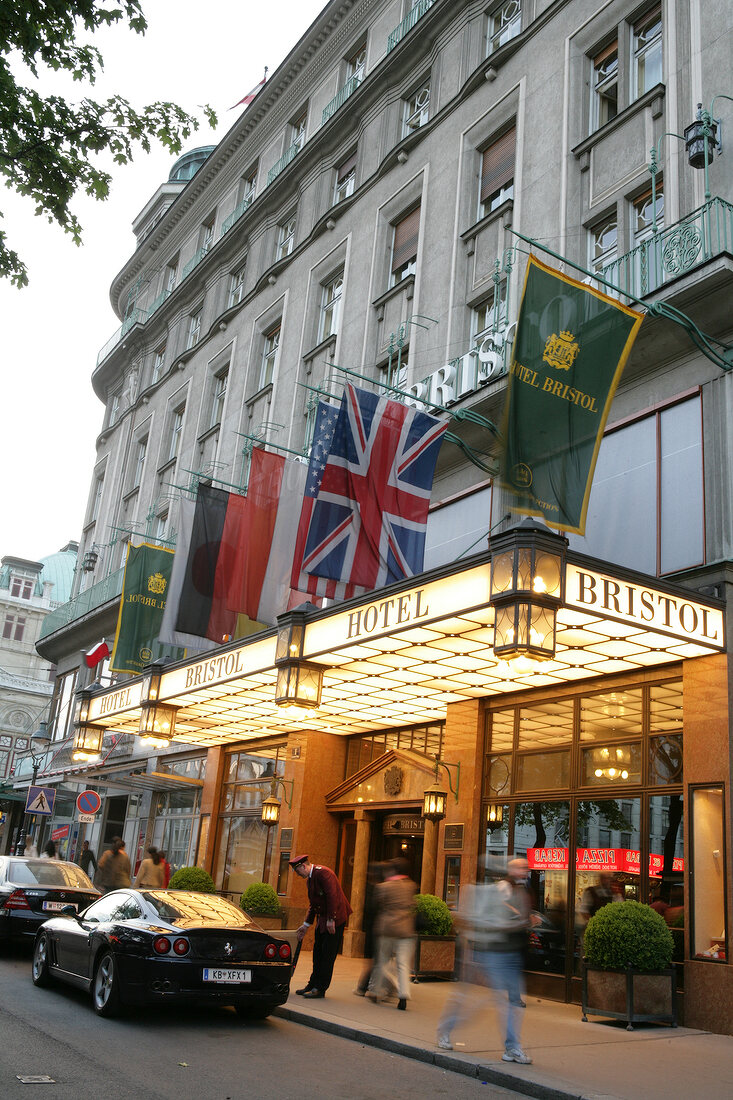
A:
[(87, 743), (527, 588), (299, 682), (157, 720)]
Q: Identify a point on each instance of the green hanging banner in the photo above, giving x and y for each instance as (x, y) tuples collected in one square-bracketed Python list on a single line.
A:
[(144, 592), (571, 347)]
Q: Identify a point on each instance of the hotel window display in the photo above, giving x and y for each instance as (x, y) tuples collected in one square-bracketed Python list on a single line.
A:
[(242, 846), (709, 930), (176, 815)]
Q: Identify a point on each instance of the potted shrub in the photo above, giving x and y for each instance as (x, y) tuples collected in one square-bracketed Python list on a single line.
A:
[(260, 901), (435, 952), (192, 878), (627, 971)]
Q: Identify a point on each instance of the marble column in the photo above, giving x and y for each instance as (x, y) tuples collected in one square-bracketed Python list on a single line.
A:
[(354, 934)]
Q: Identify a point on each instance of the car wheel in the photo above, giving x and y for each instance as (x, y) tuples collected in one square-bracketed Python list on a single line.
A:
[(39, 968), (106, 986), (254, 1012)]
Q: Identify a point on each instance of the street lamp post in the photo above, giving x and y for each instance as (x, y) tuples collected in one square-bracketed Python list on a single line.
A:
[(38, 748)]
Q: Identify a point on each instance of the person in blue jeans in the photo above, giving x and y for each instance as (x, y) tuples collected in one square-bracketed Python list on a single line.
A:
[(494, 920)]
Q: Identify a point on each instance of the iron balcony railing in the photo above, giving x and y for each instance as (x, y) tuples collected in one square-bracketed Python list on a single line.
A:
[(194, 261), (284, 161), (340, 98), (158, 302), (408, 22), (88, 600), (672, 251), (235, 215), (137, 317)]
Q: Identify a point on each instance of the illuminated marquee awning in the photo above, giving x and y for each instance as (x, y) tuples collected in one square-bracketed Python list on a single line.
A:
[(405, 655)]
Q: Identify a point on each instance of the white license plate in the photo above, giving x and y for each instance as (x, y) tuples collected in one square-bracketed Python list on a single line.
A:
[(55, 906), (212, 974)]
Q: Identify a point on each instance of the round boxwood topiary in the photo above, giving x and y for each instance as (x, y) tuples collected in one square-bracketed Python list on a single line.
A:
[(261, 900), (628, 934), (433, 916), (192, 878)]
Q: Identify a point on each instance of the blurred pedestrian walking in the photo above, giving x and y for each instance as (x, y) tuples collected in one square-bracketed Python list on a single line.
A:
[(493, 922), (87, 856), (394, 930), (151, 872), (114, 869)]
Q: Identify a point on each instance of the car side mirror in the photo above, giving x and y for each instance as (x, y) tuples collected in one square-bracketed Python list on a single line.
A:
[(68, 911)]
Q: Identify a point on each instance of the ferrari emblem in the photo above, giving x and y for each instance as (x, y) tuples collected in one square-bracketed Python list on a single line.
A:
[(228, 949), (561, 351)]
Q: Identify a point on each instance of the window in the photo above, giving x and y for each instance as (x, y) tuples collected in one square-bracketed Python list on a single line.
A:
[(158, 364), (249, 188), (417, 109), (709, 932), (505, 23), (169, 278), (194, 329), (97, 498), (236, 286), (218, 397), (13, 628), (330, 307), (297, 131), (657, 523), (605, 86), (269, 357), (647, 68), (142, 446), (207, 235), (603, 245), (174, 442), (114, 409), (161, 522), (345, 179), (395, 374), (355, 64), (648, 260), (489, 316), (497, 173), (404, 247), (285, 238), (21, 587)]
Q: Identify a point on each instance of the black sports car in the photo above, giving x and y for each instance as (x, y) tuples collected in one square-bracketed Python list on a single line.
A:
[(146, 946), (32, 889)]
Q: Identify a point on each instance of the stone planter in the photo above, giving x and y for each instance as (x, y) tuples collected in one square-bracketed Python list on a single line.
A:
[(435, 957), (637, 996)]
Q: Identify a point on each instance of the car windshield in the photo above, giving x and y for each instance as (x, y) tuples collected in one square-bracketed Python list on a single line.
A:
[(46, 872), (174, 907)]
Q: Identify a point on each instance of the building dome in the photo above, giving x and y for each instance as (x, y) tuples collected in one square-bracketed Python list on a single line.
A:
[(188, 165), (59, 568)]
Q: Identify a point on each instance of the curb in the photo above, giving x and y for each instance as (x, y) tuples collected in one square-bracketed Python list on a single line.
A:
[(442, 1059)]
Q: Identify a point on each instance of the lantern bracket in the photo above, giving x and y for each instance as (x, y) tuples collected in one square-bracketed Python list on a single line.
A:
[(275, 783), (445, 764)]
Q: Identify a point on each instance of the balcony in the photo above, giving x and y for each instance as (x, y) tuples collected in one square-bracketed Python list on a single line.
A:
[(88, 600), (137, 317), (284, 161), (158, 302), (340, 98), (408, 23), (674, 250), (235, 215), (194, 261)]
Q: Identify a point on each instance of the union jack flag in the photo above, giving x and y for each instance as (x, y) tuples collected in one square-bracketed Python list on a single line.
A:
[(370, 509)]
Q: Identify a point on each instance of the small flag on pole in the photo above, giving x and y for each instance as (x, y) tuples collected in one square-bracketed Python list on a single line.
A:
[(251, 95), (98, 652)]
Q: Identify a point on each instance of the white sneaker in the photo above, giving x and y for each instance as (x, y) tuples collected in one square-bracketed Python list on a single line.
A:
[(516, 1054), (444, 1042)]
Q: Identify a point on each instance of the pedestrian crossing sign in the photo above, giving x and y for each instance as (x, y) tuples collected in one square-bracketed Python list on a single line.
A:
[(40, 800)]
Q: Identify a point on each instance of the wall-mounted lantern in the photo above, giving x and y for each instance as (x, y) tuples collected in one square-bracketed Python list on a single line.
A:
[(436, 797), (271, 805)]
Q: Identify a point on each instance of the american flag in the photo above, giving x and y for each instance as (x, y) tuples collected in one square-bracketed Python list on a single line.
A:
[(371, 492)]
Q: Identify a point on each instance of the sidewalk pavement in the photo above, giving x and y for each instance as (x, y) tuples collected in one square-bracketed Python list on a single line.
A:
[(572, 1060)]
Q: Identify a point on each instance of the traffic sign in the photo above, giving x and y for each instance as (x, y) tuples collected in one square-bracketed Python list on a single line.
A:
[(88, 802), (86, 818), (40, 800)]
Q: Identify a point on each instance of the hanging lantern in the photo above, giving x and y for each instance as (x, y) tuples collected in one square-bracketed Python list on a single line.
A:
[(157, 720), (87, 743), (495, 816), (299, 682), (270, 811), (527, 588), (700, 146), (434, 802)]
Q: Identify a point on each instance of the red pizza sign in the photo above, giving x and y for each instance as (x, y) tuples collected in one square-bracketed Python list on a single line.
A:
[(624, 860)]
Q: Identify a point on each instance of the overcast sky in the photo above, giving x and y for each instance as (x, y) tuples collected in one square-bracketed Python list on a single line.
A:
[(51, 331)]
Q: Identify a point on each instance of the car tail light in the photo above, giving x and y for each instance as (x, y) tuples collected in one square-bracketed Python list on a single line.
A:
[(270, 951), (17, 900), (180, 947), (162, 945), (284, 951)]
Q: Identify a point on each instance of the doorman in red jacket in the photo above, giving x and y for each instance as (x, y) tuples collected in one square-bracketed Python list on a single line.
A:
[(330, 910)]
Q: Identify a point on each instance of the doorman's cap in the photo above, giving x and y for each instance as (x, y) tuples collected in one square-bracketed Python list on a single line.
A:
[(297, 861)]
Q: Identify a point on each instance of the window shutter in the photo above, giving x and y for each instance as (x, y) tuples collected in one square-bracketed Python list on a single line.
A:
[(348, 166), (611, 48), (405, 239), (497, 168)]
